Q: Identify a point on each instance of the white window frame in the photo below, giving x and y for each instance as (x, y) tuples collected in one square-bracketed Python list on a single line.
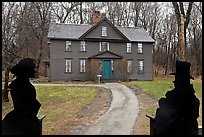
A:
[(129, 48), (112, 65), (141, 66), (104, 47), (129, 66), (139, 48), (104, 31), (82, 46), (82, 65), (68, 65), (68, 45)]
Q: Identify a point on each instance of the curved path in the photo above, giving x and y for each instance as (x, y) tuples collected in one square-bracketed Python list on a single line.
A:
[(121, 116)]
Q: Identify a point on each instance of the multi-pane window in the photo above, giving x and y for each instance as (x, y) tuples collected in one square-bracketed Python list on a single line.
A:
[(104, 46), (83, 46), (140, 66), (112, 65), (129, 48), (139, 48), (68, 65), (104, 31), (129, 66), (68, 46), (82, 65)]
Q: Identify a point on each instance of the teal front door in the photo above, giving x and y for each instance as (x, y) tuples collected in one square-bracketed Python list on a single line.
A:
[(106, 69)]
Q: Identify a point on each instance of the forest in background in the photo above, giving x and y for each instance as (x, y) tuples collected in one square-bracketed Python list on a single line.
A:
[(25, 27)]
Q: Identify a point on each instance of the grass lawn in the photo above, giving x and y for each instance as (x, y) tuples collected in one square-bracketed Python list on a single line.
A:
[(159, 86), (59, 104)]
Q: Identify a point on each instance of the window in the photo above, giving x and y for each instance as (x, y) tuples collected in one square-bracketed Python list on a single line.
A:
[(129, 48), (82, 65), (104, 46), (83, 46), (104, 31), (139, 48), (129, 66), (68, 46), (68, 65), (141, 66), (112, 65)]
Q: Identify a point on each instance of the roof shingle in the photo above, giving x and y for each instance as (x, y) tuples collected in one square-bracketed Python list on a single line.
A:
[(74, 31)]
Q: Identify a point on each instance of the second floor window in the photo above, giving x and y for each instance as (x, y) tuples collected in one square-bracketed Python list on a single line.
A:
[(104, 46), (83, 46), (68, 65), (129, 66), (82, 65), (68, 46), (129, 48), (104, 31), (139, 48)]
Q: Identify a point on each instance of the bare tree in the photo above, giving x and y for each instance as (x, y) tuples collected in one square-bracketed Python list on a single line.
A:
[(136, 7), (195, 40), (183, 21), (94, 67), (39, 20), (62, 10), (10, 49), (121, 66)]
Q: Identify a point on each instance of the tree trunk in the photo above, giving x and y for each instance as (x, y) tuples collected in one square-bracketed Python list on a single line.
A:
[(6, 81), (182, 41), (39, 58)]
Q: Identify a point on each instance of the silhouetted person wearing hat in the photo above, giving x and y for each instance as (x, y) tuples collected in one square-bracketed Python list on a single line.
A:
[(178, 112), (22, 120)]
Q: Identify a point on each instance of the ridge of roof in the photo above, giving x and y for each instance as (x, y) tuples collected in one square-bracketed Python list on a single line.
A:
[(139, 27), (79, 30)]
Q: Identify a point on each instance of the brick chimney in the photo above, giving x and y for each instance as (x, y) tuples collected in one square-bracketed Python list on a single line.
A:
[(96, 16)]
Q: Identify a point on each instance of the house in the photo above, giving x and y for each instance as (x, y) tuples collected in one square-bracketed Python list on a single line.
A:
[(81, 52)]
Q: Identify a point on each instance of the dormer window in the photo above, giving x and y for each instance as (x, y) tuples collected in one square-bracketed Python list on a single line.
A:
[(104, 31)]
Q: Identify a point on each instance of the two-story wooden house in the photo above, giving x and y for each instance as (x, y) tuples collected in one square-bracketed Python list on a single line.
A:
[(80, 52)]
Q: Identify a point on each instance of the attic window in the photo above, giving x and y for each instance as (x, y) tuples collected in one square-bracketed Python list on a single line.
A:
[(104, 31)]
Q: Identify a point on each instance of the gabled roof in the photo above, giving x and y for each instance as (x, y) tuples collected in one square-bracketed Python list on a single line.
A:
[(105, 55), (138, 34), (67, 31), (98, 23), (77, 31)]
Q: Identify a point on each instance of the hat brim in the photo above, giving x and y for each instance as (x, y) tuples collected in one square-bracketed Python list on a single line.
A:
[(175, 74)]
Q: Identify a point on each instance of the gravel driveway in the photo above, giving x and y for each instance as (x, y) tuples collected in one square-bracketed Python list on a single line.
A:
[(121, 116)]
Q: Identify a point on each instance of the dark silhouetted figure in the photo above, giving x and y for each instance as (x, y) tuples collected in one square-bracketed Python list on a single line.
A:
[(178, 111), (22, 120)]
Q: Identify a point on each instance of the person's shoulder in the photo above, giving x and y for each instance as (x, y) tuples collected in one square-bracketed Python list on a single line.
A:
[(12, 84), (170, 93)]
